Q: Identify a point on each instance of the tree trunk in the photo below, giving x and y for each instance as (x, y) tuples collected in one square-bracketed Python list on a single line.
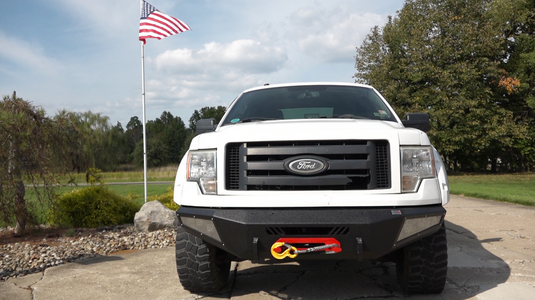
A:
[(493, 165), (21, 211), (15, 175)]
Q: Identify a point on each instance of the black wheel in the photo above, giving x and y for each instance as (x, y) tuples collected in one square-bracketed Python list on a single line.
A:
[(201, 267), (423, 265)]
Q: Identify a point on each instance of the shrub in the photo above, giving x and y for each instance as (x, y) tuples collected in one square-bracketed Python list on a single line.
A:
[(93, 206), (166, 199)]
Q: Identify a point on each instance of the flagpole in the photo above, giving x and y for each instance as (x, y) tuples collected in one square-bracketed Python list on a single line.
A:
[(144, 119), (148, 28)]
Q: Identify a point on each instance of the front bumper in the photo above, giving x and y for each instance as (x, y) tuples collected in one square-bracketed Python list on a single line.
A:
[(363, 233)]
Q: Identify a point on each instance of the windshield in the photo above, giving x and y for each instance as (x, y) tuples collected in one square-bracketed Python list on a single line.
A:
[(308, 102)]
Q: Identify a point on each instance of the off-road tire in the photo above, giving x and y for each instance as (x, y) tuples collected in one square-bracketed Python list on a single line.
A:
[(422, 266), (201, 267)]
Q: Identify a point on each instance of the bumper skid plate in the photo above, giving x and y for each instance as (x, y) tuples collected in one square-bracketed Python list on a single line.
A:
[(265, 234)]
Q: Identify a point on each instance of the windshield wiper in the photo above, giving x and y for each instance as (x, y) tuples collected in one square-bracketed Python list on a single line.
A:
[(252, 119), (347, 116)]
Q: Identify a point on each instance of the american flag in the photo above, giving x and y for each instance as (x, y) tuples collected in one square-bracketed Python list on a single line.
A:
[(157, 25)]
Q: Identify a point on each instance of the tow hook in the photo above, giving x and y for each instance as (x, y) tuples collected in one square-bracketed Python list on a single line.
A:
[(291, 247)]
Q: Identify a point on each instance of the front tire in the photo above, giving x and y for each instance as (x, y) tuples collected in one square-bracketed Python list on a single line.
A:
[(422, 267), (201, 267)]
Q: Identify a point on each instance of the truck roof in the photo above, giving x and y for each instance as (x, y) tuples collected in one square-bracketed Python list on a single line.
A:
[(269, 86)]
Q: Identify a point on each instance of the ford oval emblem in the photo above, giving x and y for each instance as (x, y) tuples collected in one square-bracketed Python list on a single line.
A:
[(306, 165)]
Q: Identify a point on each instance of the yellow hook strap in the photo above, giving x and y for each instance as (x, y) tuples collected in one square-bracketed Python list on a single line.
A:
[(285, 253)]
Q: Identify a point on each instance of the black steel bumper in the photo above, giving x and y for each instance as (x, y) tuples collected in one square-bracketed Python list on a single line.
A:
[(363, 233)]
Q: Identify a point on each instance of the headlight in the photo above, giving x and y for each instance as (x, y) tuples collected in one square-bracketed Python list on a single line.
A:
[(417, 163), (202, 168)]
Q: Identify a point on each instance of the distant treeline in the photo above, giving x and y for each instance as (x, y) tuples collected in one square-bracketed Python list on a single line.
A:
[(168, 138), (91, 141), (36, 149)]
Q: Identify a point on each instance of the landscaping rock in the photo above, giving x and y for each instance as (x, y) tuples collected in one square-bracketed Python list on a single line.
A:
[(23, 258), (155, 216)]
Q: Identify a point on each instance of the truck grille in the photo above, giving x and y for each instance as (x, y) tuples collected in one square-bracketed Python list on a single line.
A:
[(352, 165)]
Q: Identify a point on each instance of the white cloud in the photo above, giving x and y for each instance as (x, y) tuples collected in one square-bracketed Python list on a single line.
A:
[(86, 54), (108, 18), (248, 56), (199, 78), (330, 35), (218, 71), (27, 54), (325, 34)]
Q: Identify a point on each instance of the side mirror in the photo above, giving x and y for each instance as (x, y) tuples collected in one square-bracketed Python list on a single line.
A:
[(418, 121), (206, 125)]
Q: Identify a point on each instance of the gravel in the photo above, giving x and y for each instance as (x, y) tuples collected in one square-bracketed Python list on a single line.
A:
[(19, 259)]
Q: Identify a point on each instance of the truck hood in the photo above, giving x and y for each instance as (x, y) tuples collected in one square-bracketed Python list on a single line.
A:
[(314, 129)]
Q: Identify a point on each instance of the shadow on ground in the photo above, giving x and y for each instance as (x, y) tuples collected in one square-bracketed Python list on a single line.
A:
[(471, 270), (97, 260)]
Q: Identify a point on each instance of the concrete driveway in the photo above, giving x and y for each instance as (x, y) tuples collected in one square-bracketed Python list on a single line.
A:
[(491, 248)]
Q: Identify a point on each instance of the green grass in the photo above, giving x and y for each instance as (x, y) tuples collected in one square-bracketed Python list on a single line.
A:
[(513, 188), (167, 173), (134, 192)]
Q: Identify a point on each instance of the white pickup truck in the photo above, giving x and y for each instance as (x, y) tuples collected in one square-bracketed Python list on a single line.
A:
[(312, 171)]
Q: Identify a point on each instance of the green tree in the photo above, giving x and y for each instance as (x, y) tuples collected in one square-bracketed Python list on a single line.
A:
[(157, 153), (444, 58), (117, 146), (206, 113), (34, 150), (165, 140), (172, 132), (134, 134), (100, 144), (517, 82), (167, 137)]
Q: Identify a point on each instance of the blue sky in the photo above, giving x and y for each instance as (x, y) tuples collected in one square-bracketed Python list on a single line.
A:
[(83, 55)]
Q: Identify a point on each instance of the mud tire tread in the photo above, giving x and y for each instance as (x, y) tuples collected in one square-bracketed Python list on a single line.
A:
[(422, 267), (201, 267)]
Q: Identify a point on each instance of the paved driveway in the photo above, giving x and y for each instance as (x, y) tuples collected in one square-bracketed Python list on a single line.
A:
[(491, 248)]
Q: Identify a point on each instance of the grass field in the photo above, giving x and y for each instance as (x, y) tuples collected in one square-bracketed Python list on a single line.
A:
[(167, 173), (133, 191), (513, 188)]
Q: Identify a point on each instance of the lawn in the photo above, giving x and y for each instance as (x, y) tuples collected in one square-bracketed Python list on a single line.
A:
[(131, 191), (167, 173), (513, 188)]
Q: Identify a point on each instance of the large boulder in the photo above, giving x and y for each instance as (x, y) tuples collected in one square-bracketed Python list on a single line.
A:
[(155, 216)]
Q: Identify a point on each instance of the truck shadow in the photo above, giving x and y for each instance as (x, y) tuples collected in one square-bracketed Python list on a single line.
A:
[(471, 270)]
